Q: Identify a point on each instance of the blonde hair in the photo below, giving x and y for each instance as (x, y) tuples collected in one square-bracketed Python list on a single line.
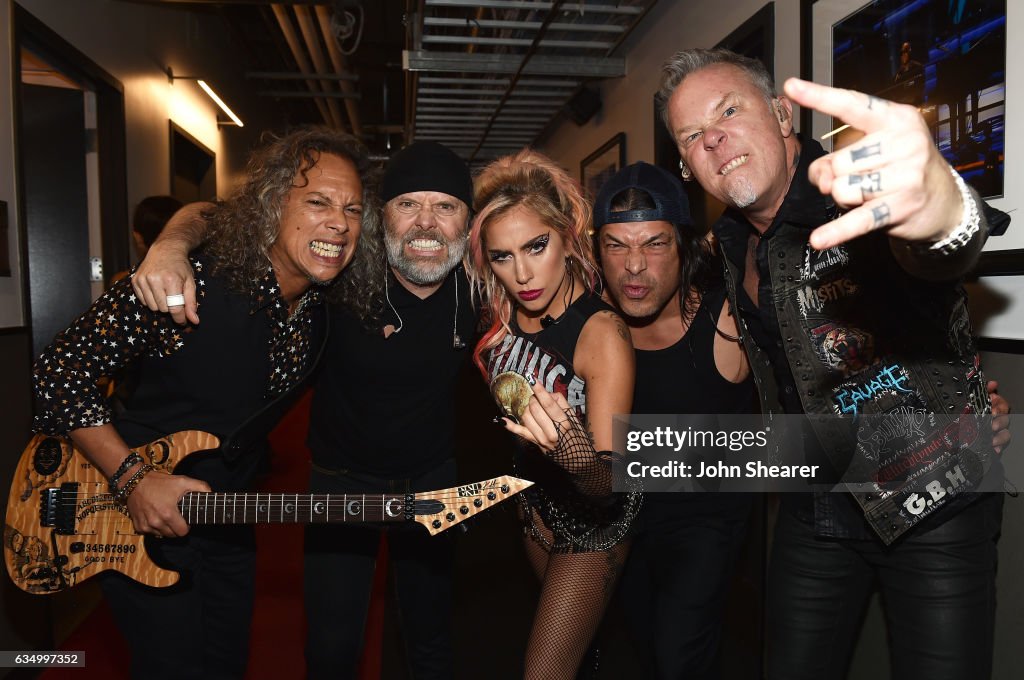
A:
[(533, 181)]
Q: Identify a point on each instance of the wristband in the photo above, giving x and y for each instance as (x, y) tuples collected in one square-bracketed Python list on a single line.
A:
[(131, 459), (133, 481)]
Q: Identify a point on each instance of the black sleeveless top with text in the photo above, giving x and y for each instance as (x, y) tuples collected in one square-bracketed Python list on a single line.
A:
[(577, 523)]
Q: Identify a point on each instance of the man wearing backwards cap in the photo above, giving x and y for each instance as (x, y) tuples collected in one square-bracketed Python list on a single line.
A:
[(660, 273), (383, 415)]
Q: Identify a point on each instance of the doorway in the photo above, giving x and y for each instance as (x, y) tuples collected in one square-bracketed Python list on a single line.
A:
[(69, 126)]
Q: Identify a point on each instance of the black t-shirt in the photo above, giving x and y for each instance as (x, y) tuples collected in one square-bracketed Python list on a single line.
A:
[(386, 406)]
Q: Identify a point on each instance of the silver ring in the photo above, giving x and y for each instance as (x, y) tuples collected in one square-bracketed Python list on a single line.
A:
[(176, 300)]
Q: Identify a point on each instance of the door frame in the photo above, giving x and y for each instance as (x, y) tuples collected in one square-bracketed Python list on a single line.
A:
[(30, 32)]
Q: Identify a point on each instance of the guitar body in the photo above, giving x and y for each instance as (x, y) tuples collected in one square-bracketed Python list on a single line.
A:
[(62, 524)]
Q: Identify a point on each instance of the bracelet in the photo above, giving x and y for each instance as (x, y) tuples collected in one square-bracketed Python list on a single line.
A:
[(133, 481), (131, 459), (969, 225)]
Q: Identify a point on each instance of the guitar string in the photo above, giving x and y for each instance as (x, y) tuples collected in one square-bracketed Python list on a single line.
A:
[(228, 497), (222, 500)]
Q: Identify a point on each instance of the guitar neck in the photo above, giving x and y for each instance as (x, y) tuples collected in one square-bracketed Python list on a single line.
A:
[(293, 508)]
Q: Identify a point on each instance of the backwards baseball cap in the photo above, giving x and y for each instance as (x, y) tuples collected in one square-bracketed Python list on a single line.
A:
[(670, 202), (427, 166)]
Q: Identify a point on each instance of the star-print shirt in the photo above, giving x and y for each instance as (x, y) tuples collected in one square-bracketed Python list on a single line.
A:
[(244, 355)]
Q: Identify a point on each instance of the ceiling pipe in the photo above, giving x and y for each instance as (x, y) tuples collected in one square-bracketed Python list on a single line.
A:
[(281, 14), (305, 18), (340, 66)]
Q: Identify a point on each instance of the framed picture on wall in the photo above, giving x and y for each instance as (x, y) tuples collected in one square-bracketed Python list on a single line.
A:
[(598, 167), (946, 58)]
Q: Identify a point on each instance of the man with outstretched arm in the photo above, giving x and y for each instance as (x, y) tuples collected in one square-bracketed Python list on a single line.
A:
[(274, 249), (845, 269)]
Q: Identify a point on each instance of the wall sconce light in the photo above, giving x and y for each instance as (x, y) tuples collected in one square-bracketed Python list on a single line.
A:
[(235, 120)]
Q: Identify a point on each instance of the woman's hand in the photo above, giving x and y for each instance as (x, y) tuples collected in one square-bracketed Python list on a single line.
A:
[(542, 414)]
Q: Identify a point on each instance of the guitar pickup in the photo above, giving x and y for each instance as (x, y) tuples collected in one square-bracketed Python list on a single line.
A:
[(57, 508)]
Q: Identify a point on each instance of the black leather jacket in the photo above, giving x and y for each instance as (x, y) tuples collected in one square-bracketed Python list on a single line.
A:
[(862, 337)]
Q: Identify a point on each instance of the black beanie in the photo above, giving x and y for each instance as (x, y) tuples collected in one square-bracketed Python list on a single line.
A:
[(427, 166)]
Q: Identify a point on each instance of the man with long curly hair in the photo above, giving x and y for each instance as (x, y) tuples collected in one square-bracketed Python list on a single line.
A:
[(275, 247), (402, 326)]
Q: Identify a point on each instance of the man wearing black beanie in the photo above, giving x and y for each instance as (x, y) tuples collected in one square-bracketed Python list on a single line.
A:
[(383, 417), (383, 413)]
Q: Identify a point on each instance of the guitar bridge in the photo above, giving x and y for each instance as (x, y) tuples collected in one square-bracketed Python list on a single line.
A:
[(57, 508)]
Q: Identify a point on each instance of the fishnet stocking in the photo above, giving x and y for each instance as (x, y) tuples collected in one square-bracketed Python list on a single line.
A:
[(575, 589)]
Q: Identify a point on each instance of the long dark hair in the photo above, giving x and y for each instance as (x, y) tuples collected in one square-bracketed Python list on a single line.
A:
[(245, 226)]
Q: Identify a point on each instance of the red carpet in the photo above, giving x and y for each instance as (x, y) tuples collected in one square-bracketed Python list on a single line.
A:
[(278, 627)]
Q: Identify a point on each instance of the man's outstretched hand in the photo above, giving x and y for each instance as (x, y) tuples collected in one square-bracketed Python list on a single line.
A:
[(893, 178)]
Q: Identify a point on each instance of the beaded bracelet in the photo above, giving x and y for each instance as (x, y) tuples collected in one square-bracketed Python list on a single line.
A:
[(131, 459), (133, 481)]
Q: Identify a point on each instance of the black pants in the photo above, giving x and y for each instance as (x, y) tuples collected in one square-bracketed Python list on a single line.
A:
[(199, 627), (938, 592), (339, 566), (676, 579)]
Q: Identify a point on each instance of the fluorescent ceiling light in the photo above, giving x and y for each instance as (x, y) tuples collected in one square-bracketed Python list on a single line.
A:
[(220, 102)]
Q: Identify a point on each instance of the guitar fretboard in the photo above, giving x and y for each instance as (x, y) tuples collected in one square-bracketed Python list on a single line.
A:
[(285, 508)]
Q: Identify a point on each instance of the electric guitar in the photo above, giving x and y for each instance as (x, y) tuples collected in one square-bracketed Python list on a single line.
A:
[(63, 525)]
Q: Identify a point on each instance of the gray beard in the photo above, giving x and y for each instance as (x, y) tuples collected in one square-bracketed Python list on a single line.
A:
[(418, 272), (742, 195)]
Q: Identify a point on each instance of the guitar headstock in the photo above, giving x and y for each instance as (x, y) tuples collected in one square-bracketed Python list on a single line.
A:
[(443, 509)]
